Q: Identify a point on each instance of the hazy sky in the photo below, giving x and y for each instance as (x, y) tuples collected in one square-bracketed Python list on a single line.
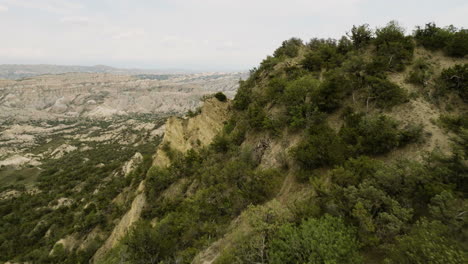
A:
[(192, 34)]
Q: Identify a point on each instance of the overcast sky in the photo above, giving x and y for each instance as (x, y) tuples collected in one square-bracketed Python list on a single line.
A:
[(204, 35)]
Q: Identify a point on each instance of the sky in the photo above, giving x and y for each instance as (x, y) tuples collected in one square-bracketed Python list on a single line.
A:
[(199, 35)]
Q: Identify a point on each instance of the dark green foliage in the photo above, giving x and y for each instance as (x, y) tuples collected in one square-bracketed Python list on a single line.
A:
[(289, 48), (220, 96), (324, 240), (256, 117), (420, 73), (147, 245), (345, 45), (393, 48), (361, 36), (454, 42), (323, 55), (157, 180), (322, 147), (456, 79), (295, 97), (433, 37), (332, 91), (384, 93), (427, 243), (221, 143), (275, 88), (373, 135), (457, 46), (456, 123), (373, 196), (243, 96)]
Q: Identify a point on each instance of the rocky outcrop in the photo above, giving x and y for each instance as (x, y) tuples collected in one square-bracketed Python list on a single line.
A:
[(130, 165), (184, 134), (122, 227)]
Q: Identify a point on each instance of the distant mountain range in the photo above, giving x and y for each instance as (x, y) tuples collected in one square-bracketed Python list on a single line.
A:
[(18, 71)]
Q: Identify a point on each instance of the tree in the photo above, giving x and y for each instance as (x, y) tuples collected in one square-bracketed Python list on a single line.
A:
[(322, 147), (432, 37), (426, 244), (289, 48), (220, 96), (455, 78), (457, 46), (360, 35), (393, 48), (315, 241), (146, 244)]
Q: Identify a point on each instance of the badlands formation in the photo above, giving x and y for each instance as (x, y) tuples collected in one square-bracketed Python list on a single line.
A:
[(102, 95)]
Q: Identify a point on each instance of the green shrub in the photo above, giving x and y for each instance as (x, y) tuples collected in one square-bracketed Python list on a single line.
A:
[(220, 96), (370, 135), (383, 92), (289, 48), (275, 88), (243, 96), (420, 73), (221, 143), (432, 37), (453, 41), (456, 79), (361, 36), (256, 116), (426, 243), (393, 48), (322, 147), (332, 91), (457, 46), (146, 245), (455, 123), (322, 56), (157, 180), (324, 240), (295, 97)]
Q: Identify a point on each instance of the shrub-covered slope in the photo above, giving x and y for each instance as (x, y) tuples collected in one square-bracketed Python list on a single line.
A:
[(335, 151)]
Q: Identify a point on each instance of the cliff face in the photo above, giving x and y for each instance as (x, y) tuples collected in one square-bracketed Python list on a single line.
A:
[(185, 134)]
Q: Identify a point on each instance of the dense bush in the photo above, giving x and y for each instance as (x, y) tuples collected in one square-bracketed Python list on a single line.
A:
[(289, 48), (243, 96), (361, 36), (220, 96), (324, 240), (393, 48), (295, 98), (454, 42), (457, 46), (384, 93), (332, 91), (456, 79), (420, 73), (432, 37), (375, 135), (147, 245), (321, 148), (426, 243), (322, 56)]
